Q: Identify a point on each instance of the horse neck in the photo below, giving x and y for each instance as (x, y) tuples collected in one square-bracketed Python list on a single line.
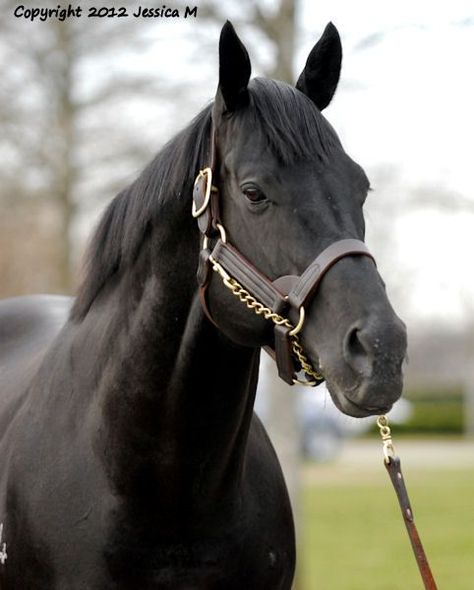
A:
[(177, 396)]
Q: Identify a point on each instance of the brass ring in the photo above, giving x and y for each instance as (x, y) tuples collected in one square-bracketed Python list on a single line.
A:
[(221, 229), (382, 421), (300, 323)]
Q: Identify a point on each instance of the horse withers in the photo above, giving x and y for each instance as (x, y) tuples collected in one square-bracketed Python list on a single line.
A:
[(130, 454)]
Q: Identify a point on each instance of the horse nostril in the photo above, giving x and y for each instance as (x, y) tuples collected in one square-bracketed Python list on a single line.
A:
[(356, 352), (376, 346)]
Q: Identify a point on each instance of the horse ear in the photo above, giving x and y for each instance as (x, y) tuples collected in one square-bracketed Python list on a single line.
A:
[(234, 69), (321, 73)]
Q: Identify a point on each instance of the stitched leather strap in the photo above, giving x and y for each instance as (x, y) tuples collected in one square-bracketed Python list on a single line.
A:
[(395, 472), (308, 282), (302, 288), (247, 275)]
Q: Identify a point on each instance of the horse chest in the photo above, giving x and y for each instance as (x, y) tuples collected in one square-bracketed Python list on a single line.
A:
[(228, 560), (221, 562)]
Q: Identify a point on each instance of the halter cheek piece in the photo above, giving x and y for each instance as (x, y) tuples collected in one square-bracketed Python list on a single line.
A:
[(284, 300)]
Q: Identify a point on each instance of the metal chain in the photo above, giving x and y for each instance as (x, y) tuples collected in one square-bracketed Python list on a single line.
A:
[(253, 304), (306, 366)]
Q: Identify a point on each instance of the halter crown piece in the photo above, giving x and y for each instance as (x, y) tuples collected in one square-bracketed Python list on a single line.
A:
[(283, 300)]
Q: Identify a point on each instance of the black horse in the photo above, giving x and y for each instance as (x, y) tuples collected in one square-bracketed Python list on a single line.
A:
[(130, 454)]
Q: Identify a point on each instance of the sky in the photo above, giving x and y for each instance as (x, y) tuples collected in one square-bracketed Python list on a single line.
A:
[(405, 102), (416, 83)]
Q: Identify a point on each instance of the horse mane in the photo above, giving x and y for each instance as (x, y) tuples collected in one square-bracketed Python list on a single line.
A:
[(128, 219), (283, 118)]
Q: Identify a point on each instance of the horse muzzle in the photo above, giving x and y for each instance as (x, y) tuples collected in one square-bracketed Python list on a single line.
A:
[(363, 365)]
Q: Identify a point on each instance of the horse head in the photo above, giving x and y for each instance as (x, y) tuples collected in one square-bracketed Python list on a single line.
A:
[(287, 191)]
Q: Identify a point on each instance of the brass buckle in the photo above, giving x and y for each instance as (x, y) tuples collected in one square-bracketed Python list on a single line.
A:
[(206, 172)]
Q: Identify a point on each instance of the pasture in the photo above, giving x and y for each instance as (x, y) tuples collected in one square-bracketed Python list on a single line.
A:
[(353, 536)]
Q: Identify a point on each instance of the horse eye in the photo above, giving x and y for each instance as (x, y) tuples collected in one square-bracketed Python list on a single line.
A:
[(253, 194)]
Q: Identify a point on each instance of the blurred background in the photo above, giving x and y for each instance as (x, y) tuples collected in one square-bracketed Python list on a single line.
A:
[(85, 103)]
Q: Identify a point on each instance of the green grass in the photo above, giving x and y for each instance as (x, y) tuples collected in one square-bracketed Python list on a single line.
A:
[(353, 536)]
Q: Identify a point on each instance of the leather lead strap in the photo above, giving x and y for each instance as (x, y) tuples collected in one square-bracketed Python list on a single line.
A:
[(394, 469)]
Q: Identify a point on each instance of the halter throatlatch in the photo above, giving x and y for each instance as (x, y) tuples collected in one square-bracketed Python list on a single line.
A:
[(284, 300)]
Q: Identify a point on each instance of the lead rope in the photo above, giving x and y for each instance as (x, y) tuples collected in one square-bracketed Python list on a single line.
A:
[(393, 466)]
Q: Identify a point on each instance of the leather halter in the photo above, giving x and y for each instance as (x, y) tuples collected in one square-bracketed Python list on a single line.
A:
[(287, 296)]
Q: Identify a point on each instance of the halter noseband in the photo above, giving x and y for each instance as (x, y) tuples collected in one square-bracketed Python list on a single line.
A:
[(284, 300)]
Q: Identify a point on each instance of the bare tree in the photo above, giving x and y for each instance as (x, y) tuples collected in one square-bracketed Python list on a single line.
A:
[(60, 105)]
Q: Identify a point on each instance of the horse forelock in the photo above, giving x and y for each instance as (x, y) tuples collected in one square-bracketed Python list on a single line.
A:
[(288, 122)]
